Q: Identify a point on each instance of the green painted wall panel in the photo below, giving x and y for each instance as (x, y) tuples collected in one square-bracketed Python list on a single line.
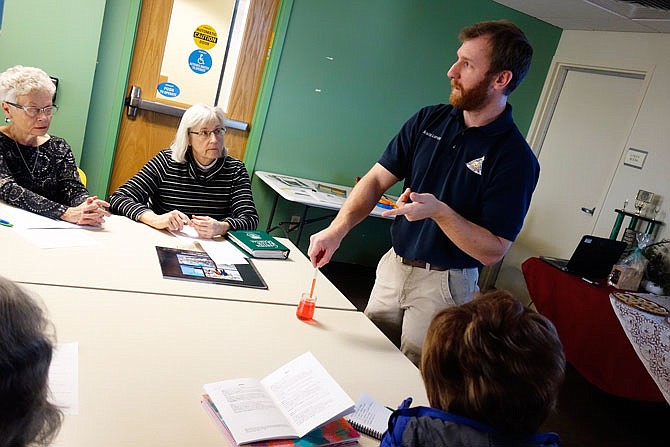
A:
[(61, 38), (109, 89)]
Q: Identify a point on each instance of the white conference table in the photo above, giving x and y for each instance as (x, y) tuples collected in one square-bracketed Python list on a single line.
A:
[(308, 193), (143, 359), (124, 258)]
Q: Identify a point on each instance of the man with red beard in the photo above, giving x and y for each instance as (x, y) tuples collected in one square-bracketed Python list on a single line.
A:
[(468, 179)]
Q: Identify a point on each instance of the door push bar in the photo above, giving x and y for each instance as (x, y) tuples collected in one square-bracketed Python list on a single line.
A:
[(135, 102)]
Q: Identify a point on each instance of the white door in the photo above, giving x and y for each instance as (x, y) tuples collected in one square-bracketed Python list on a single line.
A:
[(584, 140)]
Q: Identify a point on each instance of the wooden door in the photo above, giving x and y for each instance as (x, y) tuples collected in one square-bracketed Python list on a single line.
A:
[(142, 137)]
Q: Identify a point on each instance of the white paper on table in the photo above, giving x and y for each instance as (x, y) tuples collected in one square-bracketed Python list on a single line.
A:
[(57, 237), (324, 197), (25, 219), (64, 378), (221, 251)]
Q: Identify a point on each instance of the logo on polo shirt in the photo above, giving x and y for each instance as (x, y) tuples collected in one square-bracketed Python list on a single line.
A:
[(476, 165), (432, 135)]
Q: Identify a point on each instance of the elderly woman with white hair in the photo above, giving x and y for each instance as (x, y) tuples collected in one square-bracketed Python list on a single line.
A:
[(37, 170), (194, 182)]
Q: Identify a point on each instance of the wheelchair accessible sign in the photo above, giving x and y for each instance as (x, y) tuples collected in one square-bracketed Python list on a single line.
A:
[(200, 61)]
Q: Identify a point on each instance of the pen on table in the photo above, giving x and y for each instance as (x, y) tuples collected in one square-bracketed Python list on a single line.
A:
[(6, 223)]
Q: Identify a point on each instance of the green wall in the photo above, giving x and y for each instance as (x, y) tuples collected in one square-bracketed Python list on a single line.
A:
[(376, 62), (60, 37), (109, 89)]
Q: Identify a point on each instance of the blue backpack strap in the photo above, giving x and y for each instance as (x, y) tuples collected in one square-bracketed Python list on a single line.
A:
[(549, 438), (400, 417)]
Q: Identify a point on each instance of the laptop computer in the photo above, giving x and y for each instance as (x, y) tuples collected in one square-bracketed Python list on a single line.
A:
[(592, 259)]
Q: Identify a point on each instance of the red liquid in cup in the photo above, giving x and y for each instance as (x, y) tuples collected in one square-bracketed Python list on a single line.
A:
[(306, 309)]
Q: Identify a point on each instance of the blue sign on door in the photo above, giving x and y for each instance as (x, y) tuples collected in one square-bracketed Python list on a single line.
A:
[(200, 61), (168, 89)]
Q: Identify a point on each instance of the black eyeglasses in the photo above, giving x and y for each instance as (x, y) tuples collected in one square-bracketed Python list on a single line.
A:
[(32, 111), (206, 133)]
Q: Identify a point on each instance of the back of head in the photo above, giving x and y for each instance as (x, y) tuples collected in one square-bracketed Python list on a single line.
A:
[(495, 361), (194, 116), (510, 48), (26, 417), (20, 80)]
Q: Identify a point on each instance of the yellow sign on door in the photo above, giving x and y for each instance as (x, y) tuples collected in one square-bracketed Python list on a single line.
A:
[(205, 37)]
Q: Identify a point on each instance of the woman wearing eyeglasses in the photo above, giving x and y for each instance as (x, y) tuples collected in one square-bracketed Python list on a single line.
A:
[(37, 170), (194, 182)]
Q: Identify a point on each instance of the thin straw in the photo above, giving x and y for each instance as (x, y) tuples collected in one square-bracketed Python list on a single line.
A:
[(311, 291)]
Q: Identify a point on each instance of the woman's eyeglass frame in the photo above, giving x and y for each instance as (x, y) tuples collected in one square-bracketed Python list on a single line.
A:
[(218, 132), (33, 111)]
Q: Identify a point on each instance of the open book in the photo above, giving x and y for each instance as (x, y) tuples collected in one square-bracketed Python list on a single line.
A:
[(338, 433), (289, 403)]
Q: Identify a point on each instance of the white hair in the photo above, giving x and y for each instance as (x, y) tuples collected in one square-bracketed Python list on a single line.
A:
[(196, 115), (20, 81)]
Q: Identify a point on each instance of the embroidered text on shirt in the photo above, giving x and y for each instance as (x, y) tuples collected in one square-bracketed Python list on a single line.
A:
[(476, 165), (432, 135)]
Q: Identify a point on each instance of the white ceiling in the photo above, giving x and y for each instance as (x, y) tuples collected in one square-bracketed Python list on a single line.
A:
[(595, 15)]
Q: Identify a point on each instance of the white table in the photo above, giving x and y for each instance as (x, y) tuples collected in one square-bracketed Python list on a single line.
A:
[(143, 359), (124, 258), (650, 336), (309, 193)]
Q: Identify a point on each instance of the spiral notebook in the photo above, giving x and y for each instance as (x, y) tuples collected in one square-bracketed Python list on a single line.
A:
[(370, 417)]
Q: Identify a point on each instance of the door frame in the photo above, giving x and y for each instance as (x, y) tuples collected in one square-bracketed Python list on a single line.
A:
[(556, 80), (545, 111), (267, 85)]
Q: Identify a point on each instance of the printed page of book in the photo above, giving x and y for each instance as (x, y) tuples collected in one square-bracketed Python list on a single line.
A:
[(307, 394), (249, 411)]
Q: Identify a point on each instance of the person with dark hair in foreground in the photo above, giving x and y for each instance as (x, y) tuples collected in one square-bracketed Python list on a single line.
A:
[(492, 369), (26, 416)]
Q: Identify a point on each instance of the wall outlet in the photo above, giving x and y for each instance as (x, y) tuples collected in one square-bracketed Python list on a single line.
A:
[(295, 219)]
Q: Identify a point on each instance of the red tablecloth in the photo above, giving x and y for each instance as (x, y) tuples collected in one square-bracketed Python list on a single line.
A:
[(593, 339)]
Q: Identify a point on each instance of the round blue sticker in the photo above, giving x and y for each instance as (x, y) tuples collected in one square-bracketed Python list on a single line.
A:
[(200, 61), (168, 89)]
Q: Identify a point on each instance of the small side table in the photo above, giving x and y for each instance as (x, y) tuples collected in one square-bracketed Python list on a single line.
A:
[(634, 221)]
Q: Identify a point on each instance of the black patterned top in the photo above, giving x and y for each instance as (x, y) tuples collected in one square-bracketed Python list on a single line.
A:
[(222, 192), (43, 179)]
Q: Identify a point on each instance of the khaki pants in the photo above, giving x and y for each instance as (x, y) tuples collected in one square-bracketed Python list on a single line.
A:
[(406, 298)]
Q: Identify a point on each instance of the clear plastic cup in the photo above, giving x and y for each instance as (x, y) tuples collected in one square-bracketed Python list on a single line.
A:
[(306, 307)]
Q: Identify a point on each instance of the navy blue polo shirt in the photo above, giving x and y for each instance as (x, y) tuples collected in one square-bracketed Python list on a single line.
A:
[(486, 174)]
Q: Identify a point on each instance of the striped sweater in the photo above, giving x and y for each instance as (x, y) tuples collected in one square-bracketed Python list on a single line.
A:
[(222, 192)]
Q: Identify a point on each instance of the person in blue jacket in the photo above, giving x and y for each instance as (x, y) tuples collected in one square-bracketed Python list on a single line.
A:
[(492, 369), (468, 176)]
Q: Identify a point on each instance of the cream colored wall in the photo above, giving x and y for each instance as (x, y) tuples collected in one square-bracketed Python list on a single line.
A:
[(650, 131)]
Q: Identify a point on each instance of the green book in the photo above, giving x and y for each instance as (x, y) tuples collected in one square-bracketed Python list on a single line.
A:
[(258, 244)]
